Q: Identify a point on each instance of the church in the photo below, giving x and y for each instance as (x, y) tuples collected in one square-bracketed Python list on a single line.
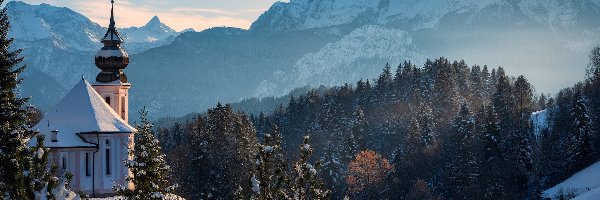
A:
[(87, 132)]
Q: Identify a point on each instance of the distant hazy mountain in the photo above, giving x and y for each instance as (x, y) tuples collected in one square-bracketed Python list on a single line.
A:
[(59, 45), (322, 42), (412, 14)]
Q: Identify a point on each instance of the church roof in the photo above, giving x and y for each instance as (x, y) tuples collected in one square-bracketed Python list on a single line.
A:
[(82, 110)]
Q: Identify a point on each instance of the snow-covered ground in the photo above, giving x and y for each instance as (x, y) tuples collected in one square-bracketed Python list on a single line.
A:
[(583, 185), (167, 197)]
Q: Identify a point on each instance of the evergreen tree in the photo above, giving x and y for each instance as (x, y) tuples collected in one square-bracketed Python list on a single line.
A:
[(148, 167), (383, 88), (13, 118), (38, 176), (593, 70), (492, 161), (306, 184), (360, 130), (580, 138), (271, 168), (524, 101), (461, 165)]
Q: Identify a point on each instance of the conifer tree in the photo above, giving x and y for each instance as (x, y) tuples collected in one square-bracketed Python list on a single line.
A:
[(13, 118), (593, 70), (580, 138), (306, 183), (360, 130), (38, 176), (148, 166), (461, 165), (491, 157), (271, 168)]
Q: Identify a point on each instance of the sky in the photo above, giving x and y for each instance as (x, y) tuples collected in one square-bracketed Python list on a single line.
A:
[(178, 14)]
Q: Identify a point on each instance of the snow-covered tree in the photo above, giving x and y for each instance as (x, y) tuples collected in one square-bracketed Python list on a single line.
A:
[(37, 176), (13, 119), (580, 139), (148, 167), (593, 70), (462, 170), (271, 180), (306, 184)]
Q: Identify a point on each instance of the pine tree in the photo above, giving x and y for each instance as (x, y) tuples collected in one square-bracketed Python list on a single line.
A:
[(306, 183), (461, 165), (360, 130), (593, 70), (148, 166), (271, 168), (38, 176), (580, 138), (13, 118), (491, 158), (383, 88)]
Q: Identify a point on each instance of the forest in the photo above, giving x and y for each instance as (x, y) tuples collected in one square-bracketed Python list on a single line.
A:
[(445, 130)]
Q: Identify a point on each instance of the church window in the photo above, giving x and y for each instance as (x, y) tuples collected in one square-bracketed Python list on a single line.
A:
[(123, 107), (108, 169), (87, 164), (107, 99), (64, 163)]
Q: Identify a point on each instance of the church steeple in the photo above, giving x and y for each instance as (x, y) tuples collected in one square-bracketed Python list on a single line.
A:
[(111, 83), (112, 59)]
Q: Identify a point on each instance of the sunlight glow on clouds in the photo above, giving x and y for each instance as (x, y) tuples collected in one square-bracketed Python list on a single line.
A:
[(178, 14)]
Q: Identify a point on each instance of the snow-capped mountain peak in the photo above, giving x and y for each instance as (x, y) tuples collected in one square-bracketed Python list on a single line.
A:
[(417, 14), (71, 31)]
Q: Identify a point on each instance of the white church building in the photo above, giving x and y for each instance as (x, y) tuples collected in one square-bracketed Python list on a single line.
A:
[(88, 132)]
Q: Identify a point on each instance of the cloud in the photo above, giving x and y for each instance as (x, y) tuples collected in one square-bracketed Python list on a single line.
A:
[(178, 14)]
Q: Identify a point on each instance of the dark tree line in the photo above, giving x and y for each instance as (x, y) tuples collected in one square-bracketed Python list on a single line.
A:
[(451, 131), (572, 140)]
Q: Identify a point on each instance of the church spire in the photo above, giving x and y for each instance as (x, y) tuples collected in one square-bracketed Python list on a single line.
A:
[(112, 35), (112, 59), (112, 15)]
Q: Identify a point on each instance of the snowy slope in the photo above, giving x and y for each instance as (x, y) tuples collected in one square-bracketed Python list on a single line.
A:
[(307, 14), (361, 54), (69, 30), (585, 184)]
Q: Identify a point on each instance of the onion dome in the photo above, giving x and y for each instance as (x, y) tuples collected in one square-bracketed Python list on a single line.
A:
[(112, 59)]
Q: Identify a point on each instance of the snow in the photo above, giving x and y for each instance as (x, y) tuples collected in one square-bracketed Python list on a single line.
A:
[(111, 53), (82, 110), (307, 14), (166, 197), (340, 62), (591, 195), (255, 185), (539, 120), (39, 153), (70, 30), (62, 193), (268, 149), (584, 184)]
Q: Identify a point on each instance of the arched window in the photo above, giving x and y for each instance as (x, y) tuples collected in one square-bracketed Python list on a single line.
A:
[(107, 99)]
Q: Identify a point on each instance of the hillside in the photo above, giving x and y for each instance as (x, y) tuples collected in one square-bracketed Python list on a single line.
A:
[(584, 185)]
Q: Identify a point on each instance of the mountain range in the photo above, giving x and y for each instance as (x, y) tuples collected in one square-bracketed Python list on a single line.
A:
[(308, 42)]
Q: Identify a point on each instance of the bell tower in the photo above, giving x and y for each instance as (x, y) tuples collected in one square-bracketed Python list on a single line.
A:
[(111, 83)]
